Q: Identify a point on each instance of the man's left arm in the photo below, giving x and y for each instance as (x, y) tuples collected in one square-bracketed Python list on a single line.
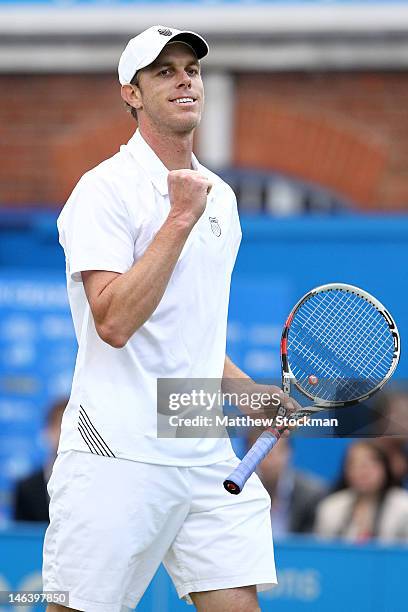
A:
[(257, 400)]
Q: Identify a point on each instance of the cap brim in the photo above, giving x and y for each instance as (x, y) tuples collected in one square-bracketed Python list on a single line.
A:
[(195, 41)]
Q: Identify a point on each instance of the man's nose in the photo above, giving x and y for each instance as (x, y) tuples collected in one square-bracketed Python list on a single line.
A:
[(185, 80)]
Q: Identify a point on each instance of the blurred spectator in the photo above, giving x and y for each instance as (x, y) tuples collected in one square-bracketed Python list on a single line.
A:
[(294, 494), (392, 432), (396, 450), (367, 503), (31, 497), (391, 412)]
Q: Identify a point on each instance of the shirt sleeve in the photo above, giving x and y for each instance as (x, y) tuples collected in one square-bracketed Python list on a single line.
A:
[(95, 229)]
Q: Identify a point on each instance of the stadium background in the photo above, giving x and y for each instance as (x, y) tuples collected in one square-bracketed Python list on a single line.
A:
[(306, 117)]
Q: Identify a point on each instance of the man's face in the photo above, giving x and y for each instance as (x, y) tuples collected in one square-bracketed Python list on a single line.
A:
[(171, 93)]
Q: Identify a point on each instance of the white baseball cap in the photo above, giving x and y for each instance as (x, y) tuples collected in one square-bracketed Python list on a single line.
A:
[(143, 49)]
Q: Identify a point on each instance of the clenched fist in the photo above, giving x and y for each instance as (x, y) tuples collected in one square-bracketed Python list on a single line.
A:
[(188, 192)]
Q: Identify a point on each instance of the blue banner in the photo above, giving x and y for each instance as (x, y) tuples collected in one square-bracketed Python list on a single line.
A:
[(210, 3), (37, 356), (313, 576)]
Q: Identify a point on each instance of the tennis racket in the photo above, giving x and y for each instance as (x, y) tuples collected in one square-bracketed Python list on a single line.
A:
[(339, 346)]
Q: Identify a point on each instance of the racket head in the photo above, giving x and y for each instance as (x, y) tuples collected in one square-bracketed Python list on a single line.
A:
[(339, 345)]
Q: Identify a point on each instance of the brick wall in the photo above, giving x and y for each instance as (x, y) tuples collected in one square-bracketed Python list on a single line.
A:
[(348, 132), (52, 129)]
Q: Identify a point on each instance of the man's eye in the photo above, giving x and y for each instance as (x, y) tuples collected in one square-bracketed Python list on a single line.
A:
[(164, 72), (192, 71)]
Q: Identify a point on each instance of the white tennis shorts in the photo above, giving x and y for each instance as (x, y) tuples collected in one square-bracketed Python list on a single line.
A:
[(113, 522)]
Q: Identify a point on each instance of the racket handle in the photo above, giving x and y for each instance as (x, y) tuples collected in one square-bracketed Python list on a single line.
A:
[(264, 444)]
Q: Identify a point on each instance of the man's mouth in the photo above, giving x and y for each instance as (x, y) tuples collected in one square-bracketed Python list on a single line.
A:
[(184, 100)]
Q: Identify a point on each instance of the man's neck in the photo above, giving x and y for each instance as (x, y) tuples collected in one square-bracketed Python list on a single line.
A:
[(174, 150)]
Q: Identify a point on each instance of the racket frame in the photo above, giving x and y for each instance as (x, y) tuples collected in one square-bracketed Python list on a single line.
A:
[(288, 379)]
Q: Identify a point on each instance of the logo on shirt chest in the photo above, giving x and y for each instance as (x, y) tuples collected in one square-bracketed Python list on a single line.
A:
[(215, 226)]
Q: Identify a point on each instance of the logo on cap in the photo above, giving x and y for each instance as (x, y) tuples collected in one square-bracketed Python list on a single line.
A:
[(165, 32)]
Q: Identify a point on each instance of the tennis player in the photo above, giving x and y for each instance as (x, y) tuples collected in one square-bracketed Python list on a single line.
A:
[(150, 238)]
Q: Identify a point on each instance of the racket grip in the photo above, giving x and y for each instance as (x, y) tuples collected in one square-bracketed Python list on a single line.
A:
[(237, 479)]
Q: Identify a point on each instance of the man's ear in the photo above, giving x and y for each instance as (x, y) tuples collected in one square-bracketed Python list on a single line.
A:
[(131, 94)]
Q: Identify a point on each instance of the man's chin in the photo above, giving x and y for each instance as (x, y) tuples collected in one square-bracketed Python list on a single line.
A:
[(185, 125)]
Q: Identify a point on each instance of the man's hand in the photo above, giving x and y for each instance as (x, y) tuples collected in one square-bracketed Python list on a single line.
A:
[(188, 192), (280, 404)]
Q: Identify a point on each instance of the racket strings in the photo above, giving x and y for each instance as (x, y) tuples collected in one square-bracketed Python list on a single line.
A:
[(343, 358), (338, 321), (332, 383), (336, 338), (350, 353), (315, 332), (366, 336), (343, 340), (341, 362)]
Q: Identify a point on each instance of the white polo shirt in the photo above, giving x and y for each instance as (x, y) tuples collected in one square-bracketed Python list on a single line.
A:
[(108, 222)]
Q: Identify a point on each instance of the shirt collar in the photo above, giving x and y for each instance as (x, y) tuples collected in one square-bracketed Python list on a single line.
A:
[(152, 164)]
